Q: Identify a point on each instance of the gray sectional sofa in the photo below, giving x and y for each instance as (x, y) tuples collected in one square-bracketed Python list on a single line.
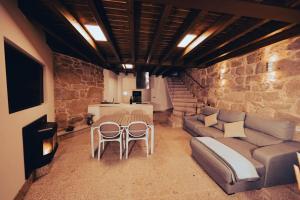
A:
[(268, 146)]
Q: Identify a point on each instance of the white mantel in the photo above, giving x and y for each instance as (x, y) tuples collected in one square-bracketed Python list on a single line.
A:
[(100, 110)]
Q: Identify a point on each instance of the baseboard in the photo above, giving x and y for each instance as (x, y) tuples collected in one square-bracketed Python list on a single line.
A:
[(72, 133), (24, 189)]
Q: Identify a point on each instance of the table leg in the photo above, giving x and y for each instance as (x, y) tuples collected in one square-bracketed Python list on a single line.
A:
[(152, 139)]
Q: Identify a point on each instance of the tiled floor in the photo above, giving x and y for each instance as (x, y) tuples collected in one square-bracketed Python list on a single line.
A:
[(170, 173)]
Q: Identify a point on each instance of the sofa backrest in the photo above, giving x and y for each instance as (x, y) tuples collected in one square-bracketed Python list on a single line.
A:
[(231, 116), (259, 138), (207, 110), (281, 129)]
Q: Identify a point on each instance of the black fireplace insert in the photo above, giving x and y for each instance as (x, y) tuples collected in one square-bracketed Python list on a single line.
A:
[(39, 143)]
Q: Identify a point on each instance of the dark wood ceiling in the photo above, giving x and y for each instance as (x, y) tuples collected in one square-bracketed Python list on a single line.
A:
[(146, 32)]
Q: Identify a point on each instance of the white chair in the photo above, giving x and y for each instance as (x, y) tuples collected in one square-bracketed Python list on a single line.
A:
[(108, 132), (137, 130)]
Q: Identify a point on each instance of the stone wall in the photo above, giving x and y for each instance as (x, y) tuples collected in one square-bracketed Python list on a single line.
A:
[(77, 84), (266, 81)]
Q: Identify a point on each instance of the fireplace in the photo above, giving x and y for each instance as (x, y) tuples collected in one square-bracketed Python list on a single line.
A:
[(39, 143)]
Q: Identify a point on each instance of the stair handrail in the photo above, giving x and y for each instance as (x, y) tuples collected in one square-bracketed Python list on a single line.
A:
[(168, 89), (192, 78)]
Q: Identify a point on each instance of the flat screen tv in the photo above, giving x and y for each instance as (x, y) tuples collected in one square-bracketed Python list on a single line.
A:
[(24, 76)]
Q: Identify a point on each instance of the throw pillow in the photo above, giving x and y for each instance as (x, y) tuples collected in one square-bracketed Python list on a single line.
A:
[(234, 129), (210, 120)]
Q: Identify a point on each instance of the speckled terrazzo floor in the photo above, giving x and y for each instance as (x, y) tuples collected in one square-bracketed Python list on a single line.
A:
[(170, 173)]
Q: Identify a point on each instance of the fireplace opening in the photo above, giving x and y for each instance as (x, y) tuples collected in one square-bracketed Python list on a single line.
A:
[(39, 143)]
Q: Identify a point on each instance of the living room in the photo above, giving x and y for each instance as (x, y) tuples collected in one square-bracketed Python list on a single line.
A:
[(203, 96)]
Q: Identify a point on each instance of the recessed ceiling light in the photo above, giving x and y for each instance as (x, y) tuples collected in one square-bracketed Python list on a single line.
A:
[(195, 43), (127, 66), (186, 40), (96, 32)]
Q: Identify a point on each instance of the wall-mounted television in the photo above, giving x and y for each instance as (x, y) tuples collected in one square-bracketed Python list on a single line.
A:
[(24, 77)]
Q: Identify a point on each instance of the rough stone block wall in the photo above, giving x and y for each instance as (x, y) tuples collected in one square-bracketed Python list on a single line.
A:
[(77, 84), (266, 81)]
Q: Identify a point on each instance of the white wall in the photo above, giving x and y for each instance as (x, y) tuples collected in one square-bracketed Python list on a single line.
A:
[(111, 86), (128, 84), (117, 86), (16, 28), (159, 94)]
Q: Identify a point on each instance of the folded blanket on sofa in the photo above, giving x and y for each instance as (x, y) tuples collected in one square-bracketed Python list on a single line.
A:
[(242, 168)]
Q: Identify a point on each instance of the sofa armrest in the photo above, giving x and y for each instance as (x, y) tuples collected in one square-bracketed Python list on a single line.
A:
[(278, 161)]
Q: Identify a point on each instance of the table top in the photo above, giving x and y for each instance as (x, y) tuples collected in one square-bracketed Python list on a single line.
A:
[(124, 119)]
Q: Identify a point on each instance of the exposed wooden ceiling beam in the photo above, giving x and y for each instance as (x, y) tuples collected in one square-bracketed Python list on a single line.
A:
[(63, 42), (160, 27), (237, 7), (156, 70), (189, 23), (69, 20), (216, 28), (115, 62), (166, 71), (131, 20), (261, 23), (203, 54), (275, 36), (99, 14), (151, 70)]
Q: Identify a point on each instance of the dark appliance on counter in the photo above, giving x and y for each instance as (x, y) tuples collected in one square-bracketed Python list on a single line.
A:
[(136, 96)]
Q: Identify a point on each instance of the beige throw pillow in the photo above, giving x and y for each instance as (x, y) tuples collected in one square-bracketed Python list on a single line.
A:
[(235, 129), (210, 120)]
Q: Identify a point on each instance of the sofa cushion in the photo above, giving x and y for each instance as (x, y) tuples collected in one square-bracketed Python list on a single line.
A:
[(282, 129), (210, 120), (209, 132), (234, 129), (220, 125), (260, 139), (207, 110), (231, 116), (245, 149)]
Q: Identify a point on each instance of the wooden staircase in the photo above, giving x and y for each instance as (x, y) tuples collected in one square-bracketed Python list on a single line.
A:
[(184, 102)]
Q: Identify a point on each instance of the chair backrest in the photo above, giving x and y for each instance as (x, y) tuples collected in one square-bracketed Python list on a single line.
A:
[(137, 128), (109, 129)]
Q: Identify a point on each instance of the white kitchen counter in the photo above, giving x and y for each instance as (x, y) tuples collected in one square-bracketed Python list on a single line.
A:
[(99, 110)]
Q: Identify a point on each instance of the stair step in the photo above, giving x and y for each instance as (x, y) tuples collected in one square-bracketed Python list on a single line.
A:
[(176, 96), (185, 109), (176, 86), (180, 92), (177, 113), (176, 83), (194, 100), (186, 104), (181, 114), (178, 89)]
